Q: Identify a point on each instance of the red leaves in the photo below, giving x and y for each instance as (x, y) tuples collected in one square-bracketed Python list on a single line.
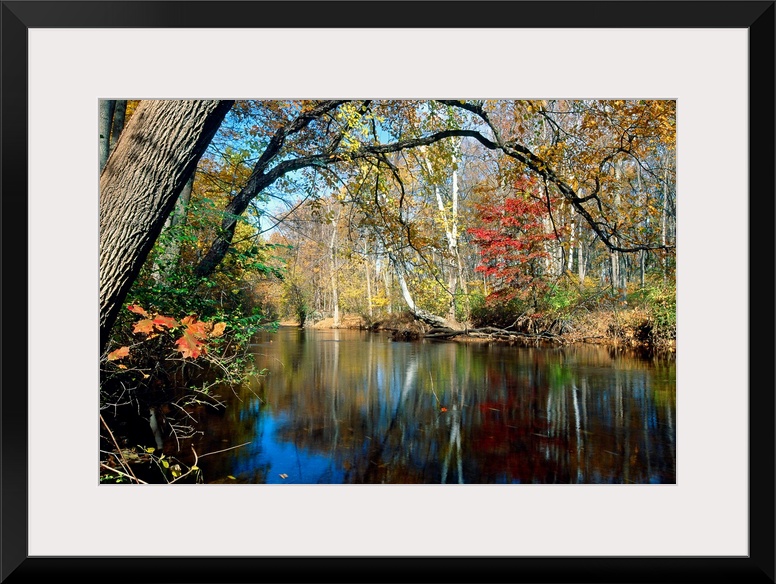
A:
[(194, 327), (137, 309), (514, 239), (192, 342), (165, 321), (190, 346)]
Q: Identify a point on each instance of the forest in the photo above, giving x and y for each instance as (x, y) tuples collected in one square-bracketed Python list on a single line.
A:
[(523, 222)]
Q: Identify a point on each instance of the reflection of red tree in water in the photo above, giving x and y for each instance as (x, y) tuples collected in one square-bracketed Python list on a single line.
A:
[(576, 439), (532, 416), (510, 447)]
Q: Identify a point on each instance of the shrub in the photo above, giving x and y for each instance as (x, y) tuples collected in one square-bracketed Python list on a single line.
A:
[(659, 301)]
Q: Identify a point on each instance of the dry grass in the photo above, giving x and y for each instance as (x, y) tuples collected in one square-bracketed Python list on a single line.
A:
[(627, 327), (347, 321)]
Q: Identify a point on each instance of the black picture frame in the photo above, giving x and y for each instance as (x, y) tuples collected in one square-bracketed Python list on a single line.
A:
[(19, 16)]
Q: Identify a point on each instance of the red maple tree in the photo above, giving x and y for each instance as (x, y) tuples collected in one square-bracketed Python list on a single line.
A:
[(513, 242)]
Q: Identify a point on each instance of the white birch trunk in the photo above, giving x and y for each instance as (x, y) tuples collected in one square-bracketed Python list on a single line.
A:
[(333, 270), (368, 281)]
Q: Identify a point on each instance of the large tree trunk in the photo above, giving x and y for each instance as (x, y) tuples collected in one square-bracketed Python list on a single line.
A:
[(154, 157)]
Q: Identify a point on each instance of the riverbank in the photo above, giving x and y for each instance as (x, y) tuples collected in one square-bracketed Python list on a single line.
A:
[(630, 328)]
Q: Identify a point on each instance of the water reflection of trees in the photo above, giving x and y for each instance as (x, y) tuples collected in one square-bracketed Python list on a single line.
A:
[(387, 412)]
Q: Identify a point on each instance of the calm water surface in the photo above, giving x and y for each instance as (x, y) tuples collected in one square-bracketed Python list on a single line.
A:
[(343, 406)]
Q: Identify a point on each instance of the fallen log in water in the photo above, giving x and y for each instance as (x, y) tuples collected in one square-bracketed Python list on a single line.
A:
[(492, 333), (443, 333)]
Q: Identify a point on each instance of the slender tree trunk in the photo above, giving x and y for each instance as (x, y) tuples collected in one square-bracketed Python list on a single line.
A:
[(261, 178), (155, 156), (119, 115), (452, 245), (663, 221), (614, 258), (368, 281), (387, 284), (405, 290), (333, 270), (581, 264), (456, 250), (106, 111), (615, 255), (455, 277), (168, 258), (421, 314)]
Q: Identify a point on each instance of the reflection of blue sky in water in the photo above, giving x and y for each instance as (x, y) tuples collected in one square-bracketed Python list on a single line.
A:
[(353, 407), (274, 457)]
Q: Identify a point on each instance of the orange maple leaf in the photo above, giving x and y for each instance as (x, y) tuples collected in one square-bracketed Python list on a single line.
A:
[(197, 329), (144, 326), (136, 308), (119, 353), (190, 346), (166, 321)]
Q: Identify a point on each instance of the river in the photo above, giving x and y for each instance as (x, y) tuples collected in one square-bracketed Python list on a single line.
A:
[(346, 406)]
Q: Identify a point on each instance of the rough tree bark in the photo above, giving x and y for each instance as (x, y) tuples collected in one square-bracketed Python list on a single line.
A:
[(106, 110), (117, 126), (156, 154)]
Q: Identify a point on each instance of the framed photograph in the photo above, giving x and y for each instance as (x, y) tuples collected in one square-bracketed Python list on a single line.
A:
[(700, 503)]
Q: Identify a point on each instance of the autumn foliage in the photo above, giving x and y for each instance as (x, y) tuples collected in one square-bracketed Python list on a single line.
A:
[(194, 333), (513, 242)]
